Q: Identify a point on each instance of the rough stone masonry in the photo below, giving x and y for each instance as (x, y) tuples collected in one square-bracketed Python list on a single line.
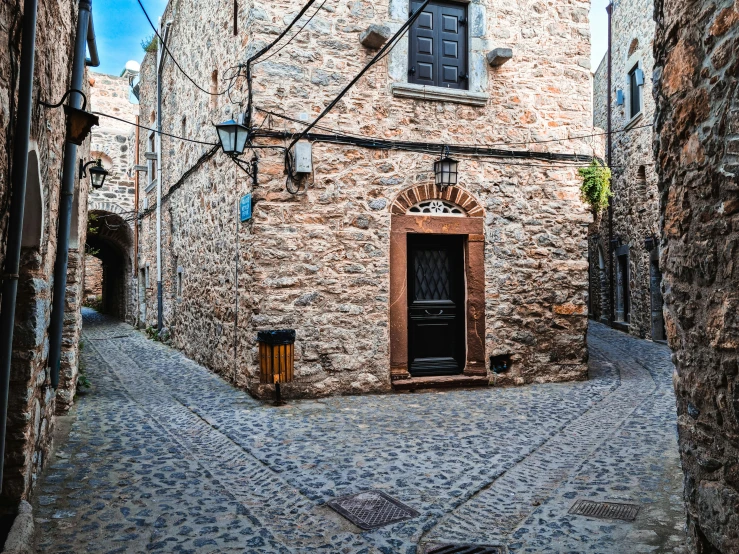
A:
[(322, 262), (32, 402), (697, 149), (637, 299)]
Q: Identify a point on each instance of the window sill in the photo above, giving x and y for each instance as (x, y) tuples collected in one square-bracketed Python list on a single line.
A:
[(634, 120), (438, 94)]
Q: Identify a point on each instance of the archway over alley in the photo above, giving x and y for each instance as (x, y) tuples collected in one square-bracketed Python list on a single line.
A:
[(108, 264)]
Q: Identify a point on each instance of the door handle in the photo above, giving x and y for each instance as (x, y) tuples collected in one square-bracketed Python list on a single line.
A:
[(429, 313)]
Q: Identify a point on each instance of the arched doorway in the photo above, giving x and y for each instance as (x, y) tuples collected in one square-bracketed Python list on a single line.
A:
[(437, 285), (110, 240)]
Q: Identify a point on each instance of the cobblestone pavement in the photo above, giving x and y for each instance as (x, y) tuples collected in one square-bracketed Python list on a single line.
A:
[(164, 456)]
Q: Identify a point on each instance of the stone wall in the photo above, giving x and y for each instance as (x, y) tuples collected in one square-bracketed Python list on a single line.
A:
[(93, 278), (634, 184), (698, 163), (113, 205), (113, 141), (32, 401), (320, 262)]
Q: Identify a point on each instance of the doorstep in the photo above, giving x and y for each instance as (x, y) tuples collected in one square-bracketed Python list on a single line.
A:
[(441, 382)]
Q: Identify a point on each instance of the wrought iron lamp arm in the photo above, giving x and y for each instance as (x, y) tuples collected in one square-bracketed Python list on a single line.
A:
[(66, 94)]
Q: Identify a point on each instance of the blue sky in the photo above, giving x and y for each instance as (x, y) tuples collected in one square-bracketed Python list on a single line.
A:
[(598, 31), (120, 27)]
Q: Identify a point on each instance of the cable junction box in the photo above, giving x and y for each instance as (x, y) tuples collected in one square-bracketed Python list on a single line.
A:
[(303, 157)]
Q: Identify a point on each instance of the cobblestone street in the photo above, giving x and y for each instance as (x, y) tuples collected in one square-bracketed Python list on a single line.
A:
[(164, 456)]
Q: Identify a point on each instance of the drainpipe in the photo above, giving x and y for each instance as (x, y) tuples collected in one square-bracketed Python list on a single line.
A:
[(18, 200), (56, 327), (136, 208), (160, 63), (609, 156)]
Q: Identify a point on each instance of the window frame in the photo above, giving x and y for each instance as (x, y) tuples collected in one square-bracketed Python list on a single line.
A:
[(476, 93), (151, 165), (631, 75), (437, 33)]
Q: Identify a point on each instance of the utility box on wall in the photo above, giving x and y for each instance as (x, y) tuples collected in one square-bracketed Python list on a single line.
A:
[(303, 157)]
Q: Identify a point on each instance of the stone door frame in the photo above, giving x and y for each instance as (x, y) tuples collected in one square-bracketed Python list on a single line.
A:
[(472, 230)]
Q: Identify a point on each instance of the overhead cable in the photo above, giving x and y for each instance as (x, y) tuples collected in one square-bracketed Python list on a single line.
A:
[(174, 60), (391, 43), (154, 130), (266, 49), (492, 145), (281, 48)]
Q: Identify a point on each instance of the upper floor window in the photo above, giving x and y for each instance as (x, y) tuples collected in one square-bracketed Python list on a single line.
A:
[(438, 47), (636, 80), (152, 162)]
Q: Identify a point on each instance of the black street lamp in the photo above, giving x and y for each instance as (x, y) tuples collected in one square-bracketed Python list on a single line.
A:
[(233, 136), (97, 172), (79, 121), (445, 170)]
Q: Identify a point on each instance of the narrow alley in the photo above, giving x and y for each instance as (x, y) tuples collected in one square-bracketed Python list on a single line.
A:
[(162, 455)]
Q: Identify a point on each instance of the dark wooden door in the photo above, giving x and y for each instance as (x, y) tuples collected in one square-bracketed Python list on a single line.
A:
[(438, 45), (435, 305), (655, 287)]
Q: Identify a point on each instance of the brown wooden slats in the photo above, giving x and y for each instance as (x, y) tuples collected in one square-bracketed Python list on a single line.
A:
[(276, 363)]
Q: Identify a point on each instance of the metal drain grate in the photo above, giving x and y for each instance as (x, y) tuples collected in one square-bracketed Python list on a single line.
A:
[(372, 509), (605, 510), (466, 549)]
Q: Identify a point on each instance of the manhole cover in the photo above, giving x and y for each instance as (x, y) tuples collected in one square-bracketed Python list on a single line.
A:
[(372, 509), (466, 549), (605, 510)]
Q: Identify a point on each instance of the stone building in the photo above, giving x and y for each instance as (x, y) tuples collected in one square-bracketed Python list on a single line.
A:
[(504, 251), (33, 402), (629, 297), (112, 207), (696, 131)]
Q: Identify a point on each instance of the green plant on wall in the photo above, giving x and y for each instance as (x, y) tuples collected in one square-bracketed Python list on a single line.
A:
[(150, 44), (596, 185)]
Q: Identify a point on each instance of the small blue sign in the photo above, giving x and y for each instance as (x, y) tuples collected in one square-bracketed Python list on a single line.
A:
[(245, 207)]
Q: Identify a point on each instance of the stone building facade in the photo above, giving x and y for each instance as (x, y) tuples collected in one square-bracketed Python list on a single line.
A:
[(630, 297), (33, 402), (112, 208), (333, 263), (696, 129)]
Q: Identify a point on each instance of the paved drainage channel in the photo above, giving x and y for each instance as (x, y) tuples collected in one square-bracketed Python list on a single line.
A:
[(605, 510), (372, 509)]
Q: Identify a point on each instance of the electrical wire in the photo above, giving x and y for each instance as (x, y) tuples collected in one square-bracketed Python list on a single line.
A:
[(273, 54), (492, 145), (389, 45), (164, 45), (155, 131), (255, 57), (375, 143)]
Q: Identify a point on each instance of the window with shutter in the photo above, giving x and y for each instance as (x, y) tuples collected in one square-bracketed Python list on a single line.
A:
[(635, 82), (438, 46)]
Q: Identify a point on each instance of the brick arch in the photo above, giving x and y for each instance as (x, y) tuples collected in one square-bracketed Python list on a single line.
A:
[(112, 243), (456, 195), (106, 207)]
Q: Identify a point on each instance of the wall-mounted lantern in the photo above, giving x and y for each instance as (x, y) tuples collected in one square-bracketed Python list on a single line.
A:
[(650, 243), (445, 170), (233, 136), (97, 172), (79, 121)]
